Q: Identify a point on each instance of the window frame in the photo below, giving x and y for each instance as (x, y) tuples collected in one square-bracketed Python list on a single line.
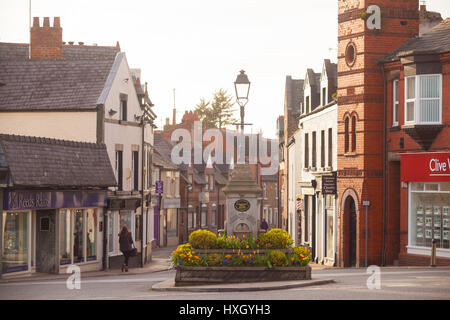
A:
[(395, 102), (417, 100)]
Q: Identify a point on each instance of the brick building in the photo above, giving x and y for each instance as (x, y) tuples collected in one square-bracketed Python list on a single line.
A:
[(417, 84), (368, 175)]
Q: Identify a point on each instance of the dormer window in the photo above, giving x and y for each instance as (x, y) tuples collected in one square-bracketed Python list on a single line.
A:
[(123, 107)]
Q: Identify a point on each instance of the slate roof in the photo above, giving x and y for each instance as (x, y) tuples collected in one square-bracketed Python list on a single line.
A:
[(162, 161), (44, 162), (52, 84), (20, 52), (435, 41)]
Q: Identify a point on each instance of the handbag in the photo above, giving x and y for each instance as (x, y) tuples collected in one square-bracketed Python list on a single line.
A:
[(133, 252)]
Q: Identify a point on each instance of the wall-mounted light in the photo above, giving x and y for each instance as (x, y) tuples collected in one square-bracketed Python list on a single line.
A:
[(112, 112)]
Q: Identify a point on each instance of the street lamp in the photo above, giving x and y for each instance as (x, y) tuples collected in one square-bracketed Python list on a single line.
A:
[(242, 88), (189, 189)]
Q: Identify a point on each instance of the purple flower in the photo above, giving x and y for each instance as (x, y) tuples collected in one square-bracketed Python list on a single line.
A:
[(226, 261)]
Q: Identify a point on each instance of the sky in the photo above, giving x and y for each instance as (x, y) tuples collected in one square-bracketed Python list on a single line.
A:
[(199, 46)]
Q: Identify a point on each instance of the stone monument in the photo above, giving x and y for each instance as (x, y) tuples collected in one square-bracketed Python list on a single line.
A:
[(243, 203)]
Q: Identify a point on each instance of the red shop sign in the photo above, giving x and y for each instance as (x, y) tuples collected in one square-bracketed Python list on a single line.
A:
[(433, 166)]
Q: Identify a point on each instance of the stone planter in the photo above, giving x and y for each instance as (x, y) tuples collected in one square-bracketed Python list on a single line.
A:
[(187, 276)]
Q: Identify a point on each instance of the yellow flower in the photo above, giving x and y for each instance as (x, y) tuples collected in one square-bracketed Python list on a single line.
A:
[(246, 246), (243, 235), (197, 258), (228, 256), (257, 251), (292, 259)]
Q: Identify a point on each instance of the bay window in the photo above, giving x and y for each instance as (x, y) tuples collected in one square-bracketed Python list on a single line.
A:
[(423, 99)]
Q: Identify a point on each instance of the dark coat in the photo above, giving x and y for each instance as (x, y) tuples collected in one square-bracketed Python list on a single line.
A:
[(126, 242), (264, 225)]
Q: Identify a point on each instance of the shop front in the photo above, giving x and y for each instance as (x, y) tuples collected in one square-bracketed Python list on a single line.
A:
[(122, 212), (47, 230), (425, 179)]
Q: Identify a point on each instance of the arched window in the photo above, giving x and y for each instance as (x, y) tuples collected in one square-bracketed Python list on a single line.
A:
[(347, 134), (354, 133)]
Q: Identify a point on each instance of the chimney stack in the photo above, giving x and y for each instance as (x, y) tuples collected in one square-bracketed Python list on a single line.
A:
[(423, 7), (46, 41)]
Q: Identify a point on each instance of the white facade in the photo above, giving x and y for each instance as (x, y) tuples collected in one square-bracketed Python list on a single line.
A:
[(319, 216)]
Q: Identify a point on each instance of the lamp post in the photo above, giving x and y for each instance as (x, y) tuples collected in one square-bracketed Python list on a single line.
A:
[(189, 189), (242, 88)]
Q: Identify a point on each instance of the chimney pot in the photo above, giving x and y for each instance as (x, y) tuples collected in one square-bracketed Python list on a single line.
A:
[(46, 22), (36, 22), (71, 42), (80, 43), (57, 22)]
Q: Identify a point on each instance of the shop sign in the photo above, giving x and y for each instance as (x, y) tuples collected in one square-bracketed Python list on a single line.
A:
[(159, 187), (35, 200), (171, 203), (329, 185), (423, 167), (242, 205)]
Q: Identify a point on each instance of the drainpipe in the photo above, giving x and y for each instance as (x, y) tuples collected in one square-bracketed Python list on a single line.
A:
[(141, 227), (383, 255), (1, 231)]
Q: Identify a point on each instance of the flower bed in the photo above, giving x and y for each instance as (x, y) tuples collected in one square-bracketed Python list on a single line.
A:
[(207, 258)]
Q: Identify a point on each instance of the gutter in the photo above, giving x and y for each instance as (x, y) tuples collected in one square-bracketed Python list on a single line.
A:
[(384, 221)]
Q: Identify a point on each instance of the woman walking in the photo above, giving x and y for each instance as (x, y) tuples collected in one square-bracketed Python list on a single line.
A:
[(126, 243)]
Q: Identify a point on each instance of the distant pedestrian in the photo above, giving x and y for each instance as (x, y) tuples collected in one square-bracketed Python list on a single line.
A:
[(126, 246), (264, 225)]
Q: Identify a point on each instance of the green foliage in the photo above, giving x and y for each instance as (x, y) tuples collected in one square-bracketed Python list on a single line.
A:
[(202, 239), (217, 113), (232, 242), (275, 239), (278, 258), (301, 256)]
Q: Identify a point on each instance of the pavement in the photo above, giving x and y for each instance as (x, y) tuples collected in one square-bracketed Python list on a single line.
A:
[(160, 262)]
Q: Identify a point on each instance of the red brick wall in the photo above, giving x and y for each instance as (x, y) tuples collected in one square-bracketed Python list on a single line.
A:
[(46, 41), (360, 92)]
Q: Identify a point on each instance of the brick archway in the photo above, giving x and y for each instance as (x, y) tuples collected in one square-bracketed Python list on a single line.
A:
[(349, 231)]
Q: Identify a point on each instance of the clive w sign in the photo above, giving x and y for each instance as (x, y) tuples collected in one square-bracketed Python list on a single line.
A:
[(434, 166)]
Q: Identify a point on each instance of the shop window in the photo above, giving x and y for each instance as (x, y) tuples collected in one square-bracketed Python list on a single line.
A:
[(111, 231), (423, 103), (65, 234), (15, 242), (91, 234), (78, 243), (395, 103), (125, 220), (429, 214)]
